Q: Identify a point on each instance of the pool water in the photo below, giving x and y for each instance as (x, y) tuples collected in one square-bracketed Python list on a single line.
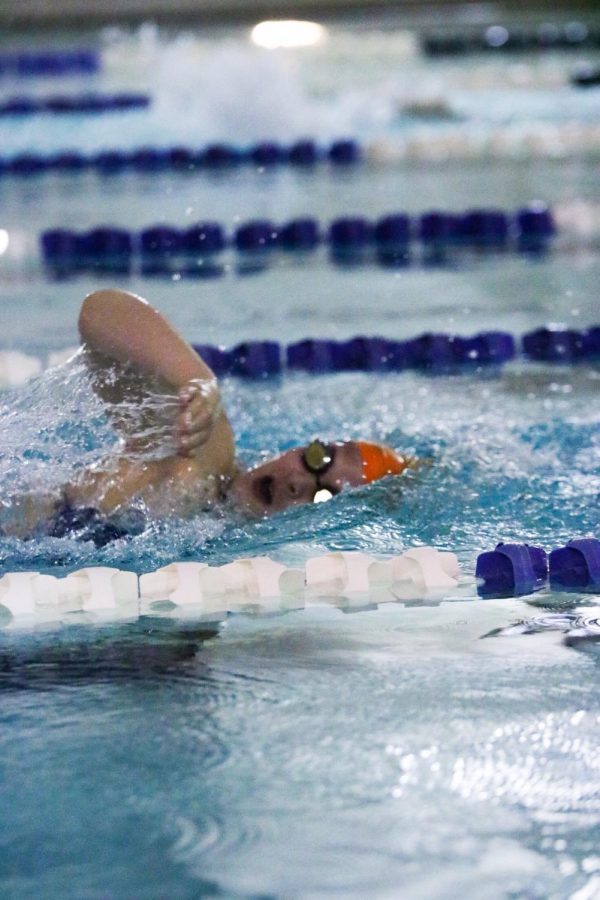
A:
[(426, 750)]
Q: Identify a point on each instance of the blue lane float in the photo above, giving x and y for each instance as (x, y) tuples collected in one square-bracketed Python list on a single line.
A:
[(159, 240), (434, 353), (60, 104), (350, 233), (259, 235), (349, 238), (268, 153), (213, 157), (251, 359), (344, 152), (429, 352), (256, 359), (302, 234), (358, 354), (511, 570), (101, 242), (204, 237), (31, 64), (561, 345), (218, 358), (576, 566), (106, 162), (566, 346), (306, 153), (393, 230), (488, 228), (64, 161)]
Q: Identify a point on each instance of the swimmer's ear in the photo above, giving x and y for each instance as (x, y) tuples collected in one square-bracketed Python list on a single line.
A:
[(418, 462), (425, 462)]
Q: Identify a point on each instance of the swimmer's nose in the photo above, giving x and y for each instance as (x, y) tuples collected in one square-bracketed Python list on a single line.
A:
[(301, 490)]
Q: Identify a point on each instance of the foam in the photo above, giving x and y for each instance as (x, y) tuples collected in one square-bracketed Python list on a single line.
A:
[(17, 368)]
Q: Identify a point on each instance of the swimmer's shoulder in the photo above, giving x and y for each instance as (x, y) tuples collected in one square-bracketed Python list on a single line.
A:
[(214, 459), (177, 485)]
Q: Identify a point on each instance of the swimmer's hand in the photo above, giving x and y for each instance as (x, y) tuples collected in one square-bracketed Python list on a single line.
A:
[(199, 409)]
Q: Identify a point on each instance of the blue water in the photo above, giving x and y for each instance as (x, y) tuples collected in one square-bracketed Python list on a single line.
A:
[(419, 751), (514, 456)]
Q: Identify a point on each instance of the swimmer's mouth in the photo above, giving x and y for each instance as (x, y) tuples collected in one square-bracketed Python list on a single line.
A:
[(263, 488)]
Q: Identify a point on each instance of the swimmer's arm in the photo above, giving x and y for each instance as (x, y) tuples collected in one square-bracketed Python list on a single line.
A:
[(128, 330), (26, 512), (119, 327)]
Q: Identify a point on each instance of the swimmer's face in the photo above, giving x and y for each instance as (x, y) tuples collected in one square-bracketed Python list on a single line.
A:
[(286, 481)]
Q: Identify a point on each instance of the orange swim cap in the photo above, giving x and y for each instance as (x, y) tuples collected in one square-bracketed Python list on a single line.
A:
[(379, 461)]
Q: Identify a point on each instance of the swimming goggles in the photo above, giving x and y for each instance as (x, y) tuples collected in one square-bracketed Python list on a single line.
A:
[(317, 459)]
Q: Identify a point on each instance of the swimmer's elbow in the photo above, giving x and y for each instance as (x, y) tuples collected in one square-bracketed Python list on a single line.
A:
[(102, 307), (93, 309)]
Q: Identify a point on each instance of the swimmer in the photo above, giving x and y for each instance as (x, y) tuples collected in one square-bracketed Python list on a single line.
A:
[(138, 361)]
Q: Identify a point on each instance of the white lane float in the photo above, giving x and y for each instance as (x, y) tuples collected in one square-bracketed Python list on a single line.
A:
[(23, 593), (217, 590), (415, 574), (99, 588), (257, 585), (94, 588), (423, 571), (339, 573)]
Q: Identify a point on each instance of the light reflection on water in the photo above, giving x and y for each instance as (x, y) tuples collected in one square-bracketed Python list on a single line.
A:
[(294, 756)]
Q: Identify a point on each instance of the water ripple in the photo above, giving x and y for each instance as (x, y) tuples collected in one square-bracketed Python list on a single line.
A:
[(578, 626), (549, 766)]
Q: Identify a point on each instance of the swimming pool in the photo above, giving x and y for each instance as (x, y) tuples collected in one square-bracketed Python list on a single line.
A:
[(415, 751)]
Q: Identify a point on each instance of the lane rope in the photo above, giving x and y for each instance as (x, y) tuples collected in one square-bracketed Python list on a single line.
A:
[(255, 585), (212, 157), (429, 352), (349, 580), (197, 249), (494, 39), (69, 104), (44, 63)]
